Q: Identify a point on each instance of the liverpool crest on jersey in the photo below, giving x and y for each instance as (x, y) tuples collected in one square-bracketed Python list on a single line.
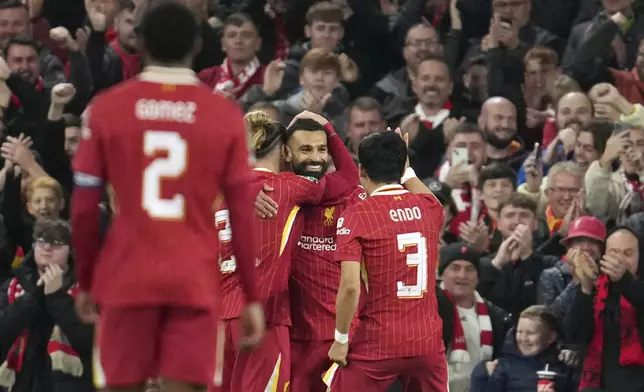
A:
[(329, 220)]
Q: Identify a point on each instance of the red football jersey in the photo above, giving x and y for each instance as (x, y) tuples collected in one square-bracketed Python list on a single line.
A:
[(316, 275), (395, 235), (168, 147), (277, 238)]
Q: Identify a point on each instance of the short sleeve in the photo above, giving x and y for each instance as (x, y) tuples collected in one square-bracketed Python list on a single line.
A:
[(89, 164), (348, 234)]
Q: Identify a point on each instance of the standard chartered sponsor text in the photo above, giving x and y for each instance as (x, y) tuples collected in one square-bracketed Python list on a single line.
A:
[(318, 244)]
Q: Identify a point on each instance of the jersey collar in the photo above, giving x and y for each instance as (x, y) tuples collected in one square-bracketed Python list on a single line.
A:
[(389, 190), (262, 169), (168, 75)]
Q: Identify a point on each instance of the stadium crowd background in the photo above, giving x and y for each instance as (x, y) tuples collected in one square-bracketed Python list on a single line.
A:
[(524, 118)]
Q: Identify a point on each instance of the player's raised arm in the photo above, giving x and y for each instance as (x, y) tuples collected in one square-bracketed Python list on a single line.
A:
[(89, 180), (349, 253)]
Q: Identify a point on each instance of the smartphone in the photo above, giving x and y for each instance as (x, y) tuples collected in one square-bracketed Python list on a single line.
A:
[(620, 127), (460, 156), (537, 153)]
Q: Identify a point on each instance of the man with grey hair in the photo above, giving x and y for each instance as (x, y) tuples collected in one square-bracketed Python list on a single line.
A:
[(565, 195)]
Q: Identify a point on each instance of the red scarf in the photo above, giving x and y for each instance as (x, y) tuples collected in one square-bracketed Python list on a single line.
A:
[(63, 356), (130, 62), (458, 347), (282, 43), (554, 223), (241, 82), (631, 346), (40, 87)]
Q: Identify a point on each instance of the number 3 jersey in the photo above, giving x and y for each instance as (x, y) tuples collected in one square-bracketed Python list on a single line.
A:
[(168, 147), (276, 238), (394, 234)]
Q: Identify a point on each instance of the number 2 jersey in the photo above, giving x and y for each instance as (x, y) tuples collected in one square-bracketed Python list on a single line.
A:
[(168, 147), (394, 234), (276, 238)]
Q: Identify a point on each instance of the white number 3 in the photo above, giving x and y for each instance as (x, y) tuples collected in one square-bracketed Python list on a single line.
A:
[(416, 260), (161, 168)]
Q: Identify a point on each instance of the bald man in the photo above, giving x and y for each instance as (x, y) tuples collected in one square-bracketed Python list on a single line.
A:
[(498, 120)]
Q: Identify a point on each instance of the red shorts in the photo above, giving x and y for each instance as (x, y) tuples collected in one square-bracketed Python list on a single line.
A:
[(267, 368), (310, 360), (427, 373), (138, 343)]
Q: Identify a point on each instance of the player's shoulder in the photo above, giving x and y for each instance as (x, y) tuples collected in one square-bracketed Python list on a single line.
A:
[(427, 199), (291, 177)]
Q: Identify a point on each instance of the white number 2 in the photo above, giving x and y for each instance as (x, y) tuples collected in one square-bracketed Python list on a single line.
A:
[(416, 260), (161, 168)]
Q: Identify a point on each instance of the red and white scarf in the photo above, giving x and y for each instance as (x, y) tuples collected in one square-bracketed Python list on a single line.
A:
[(282, 42), (63, 357), (228, 81), (432, 122), (458, 347)]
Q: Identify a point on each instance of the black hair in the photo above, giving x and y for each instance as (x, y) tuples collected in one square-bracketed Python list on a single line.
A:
[(602, 131), (22, 40), (162, 43), (382, 155), (497, 171), (469, 128), (7, 5), (71, 120), (436, 59), (303, 125)]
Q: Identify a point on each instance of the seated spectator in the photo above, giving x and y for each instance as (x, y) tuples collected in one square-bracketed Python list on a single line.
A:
[(585, 238), (319, 76), (364, 117), (613, 195), (509, 277), (531, 347), (241, 68), (607, 314), (473, 329), (43, 344)]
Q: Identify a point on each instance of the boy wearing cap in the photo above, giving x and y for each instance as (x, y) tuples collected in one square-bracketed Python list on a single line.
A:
[(585, 239), (473, 328)]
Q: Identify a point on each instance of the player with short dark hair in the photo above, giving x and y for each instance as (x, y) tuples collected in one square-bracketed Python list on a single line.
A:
[(168, 147), (388, 247)]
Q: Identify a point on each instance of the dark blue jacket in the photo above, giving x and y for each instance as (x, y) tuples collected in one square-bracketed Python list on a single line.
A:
[(518, 373)]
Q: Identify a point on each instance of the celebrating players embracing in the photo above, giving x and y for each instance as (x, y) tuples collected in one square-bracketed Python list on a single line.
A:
[(168, 146), (388, 244), (268, 367)]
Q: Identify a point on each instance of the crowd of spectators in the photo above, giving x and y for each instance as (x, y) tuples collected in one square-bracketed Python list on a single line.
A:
[(524, 117)]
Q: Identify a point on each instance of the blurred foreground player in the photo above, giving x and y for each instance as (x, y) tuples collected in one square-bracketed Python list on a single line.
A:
[(389, 244), (168, 146)]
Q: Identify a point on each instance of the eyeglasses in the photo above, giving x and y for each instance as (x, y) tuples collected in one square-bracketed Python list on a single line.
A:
[(570, 191), (52, 243)]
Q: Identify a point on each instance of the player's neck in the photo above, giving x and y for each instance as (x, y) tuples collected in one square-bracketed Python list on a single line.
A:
[(268, 165), (371, 187), (185, 64)]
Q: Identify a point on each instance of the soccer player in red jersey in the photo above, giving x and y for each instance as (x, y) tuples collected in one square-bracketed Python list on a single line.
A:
[(168, 146), (268, 367), (388, 244)]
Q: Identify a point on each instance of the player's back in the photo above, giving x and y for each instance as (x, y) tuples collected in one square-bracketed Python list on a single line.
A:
[(399, 233), (277, 237), (168, 145)]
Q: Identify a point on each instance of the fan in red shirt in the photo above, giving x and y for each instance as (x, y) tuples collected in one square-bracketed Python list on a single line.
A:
[(388, 244), (269, 366), (167, 146)]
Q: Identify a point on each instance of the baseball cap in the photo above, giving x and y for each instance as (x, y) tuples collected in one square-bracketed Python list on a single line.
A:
[(587, 227)]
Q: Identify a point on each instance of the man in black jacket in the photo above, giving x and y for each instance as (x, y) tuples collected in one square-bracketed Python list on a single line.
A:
[(473, 328), (43, 345)]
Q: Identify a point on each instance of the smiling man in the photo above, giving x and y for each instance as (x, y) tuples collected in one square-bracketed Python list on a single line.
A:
[(473, 328)]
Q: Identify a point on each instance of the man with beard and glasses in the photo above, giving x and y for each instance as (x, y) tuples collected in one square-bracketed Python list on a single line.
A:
[(498, 120)]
